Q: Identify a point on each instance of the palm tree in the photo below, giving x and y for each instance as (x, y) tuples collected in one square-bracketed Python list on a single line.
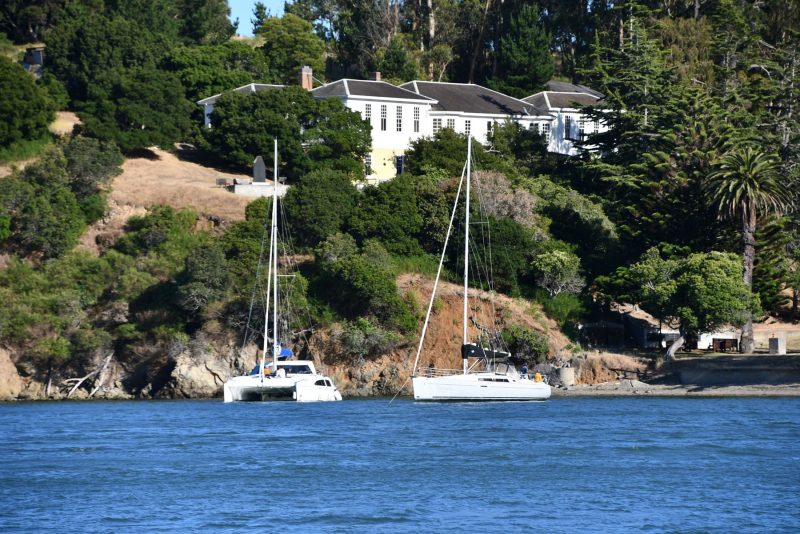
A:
[(746, 183)]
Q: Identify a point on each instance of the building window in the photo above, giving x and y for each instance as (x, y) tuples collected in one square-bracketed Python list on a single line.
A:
[(567, 128), (534, 127), (368, 164), (368, 113), (581, 130), (489, 127), (400, 164), (399, 118), (451, 123), (383, 117), (467, 127), (437, 125), (416, 120), (546, 132)]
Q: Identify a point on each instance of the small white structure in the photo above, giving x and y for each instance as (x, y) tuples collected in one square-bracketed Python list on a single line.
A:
[(724, 339), (563, 101), (208, 102), (397, 117), (777, 345)]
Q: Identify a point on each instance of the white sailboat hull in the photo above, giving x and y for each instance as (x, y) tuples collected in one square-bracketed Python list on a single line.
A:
[(478, 387), (299, 389)]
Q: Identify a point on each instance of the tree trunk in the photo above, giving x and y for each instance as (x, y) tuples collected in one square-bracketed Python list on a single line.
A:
[(677, 344), (748, 257), (479, 42), (431, 25)]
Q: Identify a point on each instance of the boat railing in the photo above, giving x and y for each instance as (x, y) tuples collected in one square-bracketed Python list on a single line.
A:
[(432, 372)]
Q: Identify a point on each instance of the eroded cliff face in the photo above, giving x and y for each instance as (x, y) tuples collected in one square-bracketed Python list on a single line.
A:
[(199, 368)]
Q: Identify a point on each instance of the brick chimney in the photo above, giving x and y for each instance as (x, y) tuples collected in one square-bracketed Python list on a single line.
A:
[(375, 76), (306, 79)]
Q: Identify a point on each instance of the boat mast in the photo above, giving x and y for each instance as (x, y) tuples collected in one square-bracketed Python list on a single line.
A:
[(466, 251), (274, 259)]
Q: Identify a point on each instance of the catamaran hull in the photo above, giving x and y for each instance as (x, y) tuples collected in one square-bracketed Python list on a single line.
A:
[(253, 388), (474, 388)]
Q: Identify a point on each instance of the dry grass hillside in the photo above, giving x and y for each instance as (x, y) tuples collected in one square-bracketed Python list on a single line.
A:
[(163, 178)]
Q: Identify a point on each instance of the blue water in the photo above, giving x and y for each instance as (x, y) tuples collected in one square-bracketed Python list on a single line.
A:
[(566, 465)]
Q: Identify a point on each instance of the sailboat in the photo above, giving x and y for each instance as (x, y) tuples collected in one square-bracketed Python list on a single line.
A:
[(486, 374), (281, 378)]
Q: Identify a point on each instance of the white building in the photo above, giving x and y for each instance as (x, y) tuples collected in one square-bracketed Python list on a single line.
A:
[(397, 117), (400, 115), (563, 101), (472, 109)]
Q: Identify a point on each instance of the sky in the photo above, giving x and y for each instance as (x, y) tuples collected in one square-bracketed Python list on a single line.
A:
[(243, 10)]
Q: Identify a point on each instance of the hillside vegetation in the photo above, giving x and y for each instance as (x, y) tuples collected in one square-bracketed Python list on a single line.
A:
[(686, 206)]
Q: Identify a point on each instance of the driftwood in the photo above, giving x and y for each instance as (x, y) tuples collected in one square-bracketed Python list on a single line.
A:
[(100, 370)]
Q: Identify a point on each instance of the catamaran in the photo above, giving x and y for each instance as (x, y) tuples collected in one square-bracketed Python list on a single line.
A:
[(487, 374), (281, 378)]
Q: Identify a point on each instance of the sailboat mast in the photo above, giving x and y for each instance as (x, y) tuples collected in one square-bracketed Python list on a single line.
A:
[(274, 259), (466, 249)]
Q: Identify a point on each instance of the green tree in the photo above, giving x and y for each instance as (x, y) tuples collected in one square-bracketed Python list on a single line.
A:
[(702, 291), (388, 212), (319, 205), (558, 271), (260, 16), (44, 215), (395, 62), (24, 106), (525, 344), (136, 108), (245, 126), (745, 183), (205, 21), (88, 46), (91, 164), (207, 70), (290, 43), (24, 21), (205, 277), (361, 284), (525, 62)]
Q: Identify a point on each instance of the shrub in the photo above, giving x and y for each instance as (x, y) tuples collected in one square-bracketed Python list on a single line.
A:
[(526, 344), (24, 107)]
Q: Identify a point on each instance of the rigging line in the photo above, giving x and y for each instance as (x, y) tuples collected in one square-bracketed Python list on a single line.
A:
[(438, 272), (255, 283), (399, 391)]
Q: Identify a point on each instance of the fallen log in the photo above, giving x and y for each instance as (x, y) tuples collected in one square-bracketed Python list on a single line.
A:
[(93, 373)]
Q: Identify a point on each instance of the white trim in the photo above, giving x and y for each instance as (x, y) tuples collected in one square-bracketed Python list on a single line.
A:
[(346, 87), (384, 99)]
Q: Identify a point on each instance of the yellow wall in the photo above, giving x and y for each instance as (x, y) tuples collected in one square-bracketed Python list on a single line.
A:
[(383, 166)]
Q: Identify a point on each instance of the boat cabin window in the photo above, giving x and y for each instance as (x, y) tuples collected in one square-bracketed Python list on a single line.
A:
[(504, 368), (297, 369), (493, 379), (320, 383)]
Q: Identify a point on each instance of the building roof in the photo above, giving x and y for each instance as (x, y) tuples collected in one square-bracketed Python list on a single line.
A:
[(566, 87), (366, 88), (565, 95), (471, 98), (249, 88)]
